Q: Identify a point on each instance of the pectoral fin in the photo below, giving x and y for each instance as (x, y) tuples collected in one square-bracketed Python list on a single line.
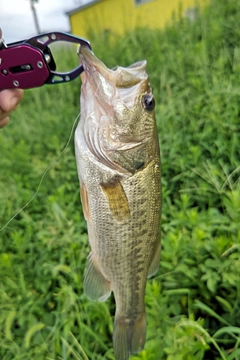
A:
[(96, 286), (117, 200), (155, 261), (84, 200)]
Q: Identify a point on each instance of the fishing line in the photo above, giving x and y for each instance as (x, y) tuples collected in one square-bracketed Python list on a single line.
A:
[(43, 176)]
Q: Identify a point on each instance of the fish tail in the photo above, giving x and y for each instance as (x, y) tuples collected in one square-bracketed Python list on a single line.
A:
[(129, 336)]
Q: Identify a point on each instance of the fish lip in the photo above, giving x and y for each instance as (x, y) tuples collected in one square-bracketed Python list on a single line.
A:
[(91, 63), (87, 55)]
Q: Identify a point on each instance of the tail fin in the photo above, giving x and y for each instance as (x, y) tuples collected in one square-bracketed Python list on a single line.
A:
[(129, 336)]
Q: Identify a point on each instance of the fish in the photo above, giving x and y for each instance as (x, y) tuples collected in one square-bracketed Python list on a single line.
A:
[(118, 163)]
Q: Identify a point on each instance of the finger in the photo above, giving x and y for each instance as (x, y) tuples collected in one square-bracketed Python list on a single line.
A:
[(4, 122), (9, 99)]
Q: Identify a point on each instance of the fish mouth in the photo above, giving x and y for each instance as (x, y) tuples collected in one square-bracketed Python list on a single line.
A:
[(91, 63), (107, 81)]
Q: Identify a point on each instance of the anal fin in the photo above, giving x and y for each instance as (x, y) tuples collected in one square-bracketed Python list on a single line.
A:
[(96, 286), (153, 268)]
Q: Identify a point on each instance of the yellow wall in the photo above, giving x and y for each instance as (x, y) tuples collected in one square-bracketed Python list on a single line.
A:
[(117, 16)]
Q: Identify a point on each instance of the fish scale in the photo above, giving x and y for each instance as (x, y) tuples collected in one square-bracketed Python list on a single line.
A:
[(118, 163)]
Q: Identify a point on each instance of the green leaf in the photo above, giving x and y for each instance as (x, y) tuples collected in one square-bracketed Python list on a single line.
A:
[(198, 304), (227, 330), (31, 332), (234, 355), (225, 304), (8, 324)]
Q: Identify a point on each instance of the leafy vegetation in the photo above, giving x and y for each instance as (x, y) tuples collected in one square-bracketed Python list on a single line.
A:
[(193, 304)]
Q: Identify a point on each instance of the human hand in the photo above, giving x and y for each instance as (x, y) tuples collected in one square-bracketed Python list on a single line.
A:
[(9, 99)]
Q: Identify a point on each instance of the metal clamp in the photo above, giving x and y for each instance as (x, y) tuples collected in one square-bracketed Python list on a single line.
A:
[(30, 63)]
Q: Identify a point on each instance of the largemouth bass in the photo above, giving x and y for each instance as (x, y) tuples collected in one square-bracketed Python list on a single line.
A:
[(118, 161)]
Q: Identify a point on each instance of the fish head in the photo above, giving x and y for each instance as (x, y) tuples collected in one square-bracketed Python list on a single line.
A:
[(117, 111)]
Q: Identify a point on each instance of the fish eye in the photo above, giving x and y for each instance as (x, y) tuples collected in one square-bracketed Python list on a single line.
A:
[(148, 102)]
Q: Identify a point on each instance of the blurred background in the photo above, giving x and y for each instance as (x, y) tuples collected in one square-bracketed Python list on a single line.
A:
[(22, 19), (17, 20)]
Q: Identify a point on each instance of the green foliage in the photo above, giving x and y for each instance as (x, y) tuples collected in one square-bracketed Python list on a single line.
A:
[(193, 303)]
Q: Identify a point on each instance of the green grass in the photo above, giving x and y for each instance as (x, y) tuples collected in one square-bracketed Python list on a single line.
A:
[(193, 304)]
